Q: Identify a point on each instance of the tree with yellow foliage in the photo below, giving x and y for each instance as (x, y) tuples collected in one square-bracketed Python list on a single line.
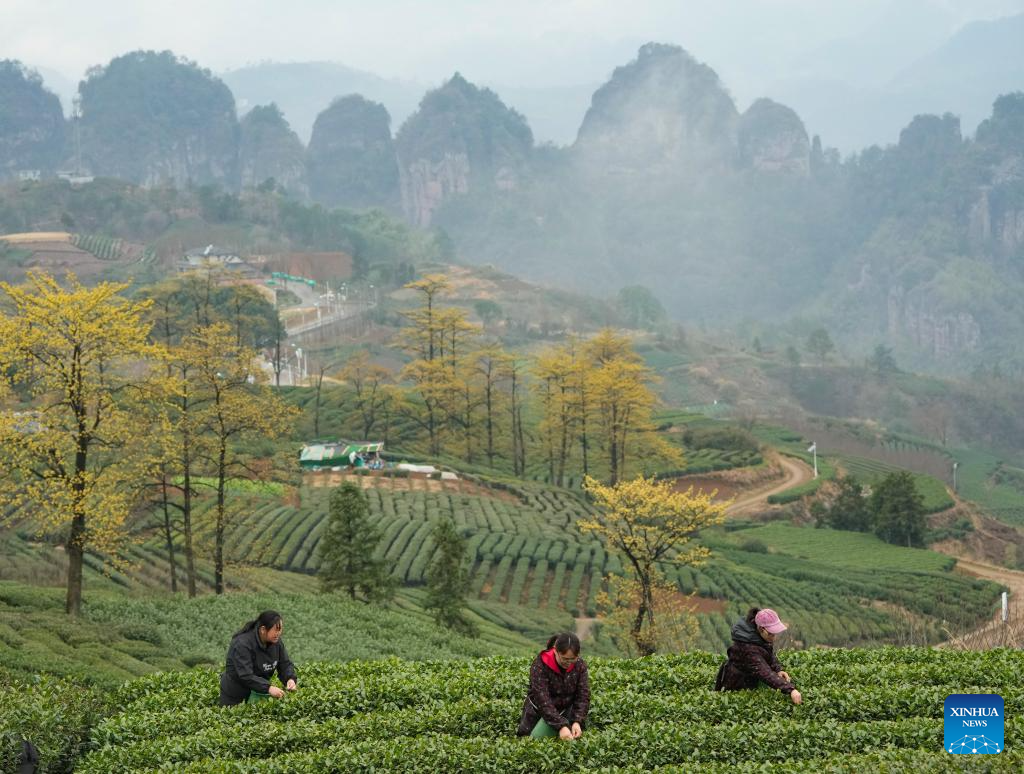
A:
[(554, 372), (621, 397), (648, 523), (238, 407), (675, 627), (368, 382), (439, 339), (75, 357)]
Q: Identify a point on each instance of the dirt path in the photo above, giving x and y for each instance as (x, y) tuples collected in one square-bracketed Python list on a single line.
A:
[(796, 473), (994, 633), (584, 626)]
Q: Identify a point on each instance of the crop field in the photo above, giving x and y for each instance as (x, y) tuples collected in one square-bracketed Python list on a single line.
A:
[(870, 472), (529, 555), (863, 710), (848, 549), (121, 637), (828, 604), (526, 555), (101, 246), (978, 483)]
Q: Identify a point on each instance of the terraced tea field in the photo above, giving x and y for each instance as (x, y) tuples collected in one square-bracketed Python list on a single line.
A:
[(863, 711)]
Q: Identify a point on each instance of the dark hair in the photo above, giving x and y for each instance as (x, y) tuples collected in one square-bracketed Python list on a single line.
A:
[(564, 643), (752, 613), (268, 619)]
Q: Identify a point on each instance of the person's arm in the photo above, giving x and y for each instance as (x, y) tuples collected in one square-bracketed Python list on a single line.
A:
[(757, 664), (285, 667), (241, 657), (582, 704), (541, 697)]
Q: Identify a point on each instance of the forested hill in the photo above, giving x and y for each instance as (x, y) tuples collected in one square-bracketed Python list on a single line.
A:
[(729, 215)]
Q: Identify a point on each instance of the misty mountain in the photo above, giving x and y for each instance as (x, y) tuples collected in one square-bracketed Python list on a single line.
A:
[(351, 156), (303, 89), (269, 149), (31, 122), (730, 217), (852, 109), (726, 215), (151, 117)]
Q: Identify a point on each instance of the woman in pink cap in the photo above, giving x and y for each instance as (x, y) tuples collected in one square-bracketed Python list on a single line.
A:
[(752, 657)]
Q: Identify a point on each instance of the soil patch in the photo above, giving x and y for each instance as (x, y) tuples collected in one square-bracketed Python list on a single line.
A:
[(703, 604), (726, 490)]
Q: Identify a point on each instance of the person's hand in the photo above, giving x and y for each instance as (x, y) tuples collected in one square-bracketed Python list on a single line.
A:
[(796, 697), (785, 676), (565, 732), (577, 731), (276, 692), (290, 685)]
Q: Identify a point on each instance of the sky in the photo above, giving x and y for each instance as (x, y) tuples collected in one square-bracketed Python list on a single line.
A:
[(514, 42)]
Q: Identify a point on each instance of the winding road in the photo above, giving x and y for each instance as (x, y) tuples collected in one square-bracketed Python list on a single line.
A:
[(994, 632), (796, 473)]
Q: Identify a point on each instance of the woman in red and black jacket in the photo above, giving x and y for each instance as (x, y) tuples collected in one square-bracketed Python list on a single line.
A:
[(752, 658), (558, 699)]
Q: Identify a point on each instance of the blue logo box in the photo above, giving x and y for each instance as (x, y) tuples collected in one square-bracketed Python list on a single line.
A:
[(973, 724)]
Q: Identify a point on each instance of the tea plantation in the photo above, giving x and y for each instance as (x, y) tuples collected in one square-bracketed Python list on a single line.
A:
[(864, 710), (526, 552)]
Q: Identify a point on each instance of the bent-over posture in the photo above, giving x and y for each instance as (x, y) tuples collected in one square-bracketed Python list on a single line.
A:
[(752, 658), (255, 653)]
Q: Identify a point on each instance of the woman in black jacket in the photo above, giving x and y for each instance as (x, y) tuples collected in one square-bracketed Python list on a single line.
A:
[(558, 699), (255, 653), (752, 660)]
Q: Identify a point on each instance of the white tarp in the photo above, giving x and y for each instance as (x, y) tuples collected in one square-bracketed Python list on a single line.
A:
[(416, 468)]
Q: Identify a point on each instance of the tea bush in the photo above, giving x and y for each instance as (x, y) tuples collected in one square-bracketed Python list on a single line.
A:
[(864, 710)]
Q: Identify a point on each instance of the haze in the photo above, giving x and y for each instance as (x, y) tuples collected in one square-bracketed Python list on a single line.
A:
[(781, 48)]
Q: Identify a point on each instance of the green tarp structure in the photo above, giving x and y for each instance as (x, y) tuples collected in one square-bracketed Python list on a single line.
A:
[(331, 454)]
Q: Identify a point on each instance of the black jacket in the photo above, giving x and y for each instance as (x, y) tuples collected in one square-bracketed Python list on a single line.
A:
[(560, 697), (752, 660), (250, 665)]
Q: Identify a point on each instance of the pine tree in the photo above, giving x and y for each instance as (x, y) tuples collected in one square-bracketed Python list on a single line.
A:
[(448, 579), (849, 510), (898, 510), (346, 550)]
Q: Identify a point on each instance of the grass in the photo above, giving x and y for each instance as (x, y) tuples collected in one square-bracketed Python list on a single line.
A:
[(974, 482), (846, 549), (870, 472)]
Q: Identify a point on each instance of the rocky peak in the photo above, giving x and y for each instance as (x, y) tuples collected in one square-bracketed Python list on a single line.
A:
[(351, 156), (150, 117), (270, 149), (663, 109), (772, 138), (31, 123), (1005, 129), (462, 138), (942, 334), (934, 137)]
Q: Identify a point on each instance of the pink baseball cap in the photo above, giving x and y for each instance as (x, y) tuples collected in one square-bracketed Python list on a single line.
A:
[(769, 620)]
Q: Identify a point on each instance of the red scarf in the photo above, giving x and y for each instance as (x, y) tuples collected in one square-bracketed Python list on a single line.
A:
[(548, 657)]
